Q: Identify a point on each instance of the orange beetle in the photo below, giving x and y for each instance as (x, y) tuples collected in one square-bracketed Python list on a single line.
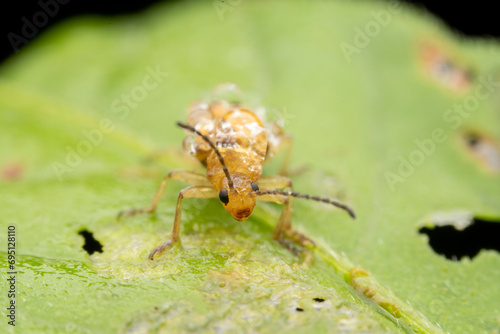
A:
[(233, 143)]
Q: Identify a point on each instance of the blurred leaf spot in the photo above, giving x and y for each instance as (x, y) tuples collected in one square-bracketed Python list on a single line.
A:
[(318, 300), (453, 243), (91, 244), (483, 149), (12, 171), (445, 70)]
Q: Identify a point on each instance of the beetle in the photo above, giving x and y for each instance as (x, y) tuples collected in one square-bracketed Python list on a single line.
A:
[(233, 143)]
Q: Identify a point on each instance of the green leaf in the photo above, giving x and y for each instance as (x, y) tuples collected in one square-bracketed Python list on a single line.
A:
[(86, 108)]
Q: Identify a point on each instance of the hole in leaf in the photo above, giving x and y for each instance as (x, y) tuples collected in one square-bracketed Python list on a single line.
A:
[(455, 243), (483, 149), (318, 300), (299, 309), (91, 244)]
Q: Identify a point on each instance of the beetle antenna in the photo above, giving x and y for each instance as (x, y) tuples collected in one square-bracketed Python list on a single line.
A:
[(209, 142), (314, 198)]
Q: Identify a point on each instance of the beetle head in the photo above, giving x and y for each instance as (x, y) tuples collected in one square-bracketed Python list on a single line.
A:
[(240, 200)]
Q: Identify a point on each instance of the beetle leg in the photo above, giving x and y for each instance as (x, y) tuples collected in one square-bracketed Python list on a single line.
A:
[(197, 191), (274, 182), (283, 232), (284, 143), (284, 225), (182, 175)]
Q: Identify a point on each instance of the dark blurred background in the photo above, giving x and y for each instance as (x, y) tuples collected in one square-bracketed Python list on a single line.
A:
[(479, 18)]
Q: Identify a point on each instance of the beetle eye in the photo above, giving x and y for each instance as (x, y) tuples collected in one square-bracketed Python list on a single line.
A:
[(254, 186), (223, 196)]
